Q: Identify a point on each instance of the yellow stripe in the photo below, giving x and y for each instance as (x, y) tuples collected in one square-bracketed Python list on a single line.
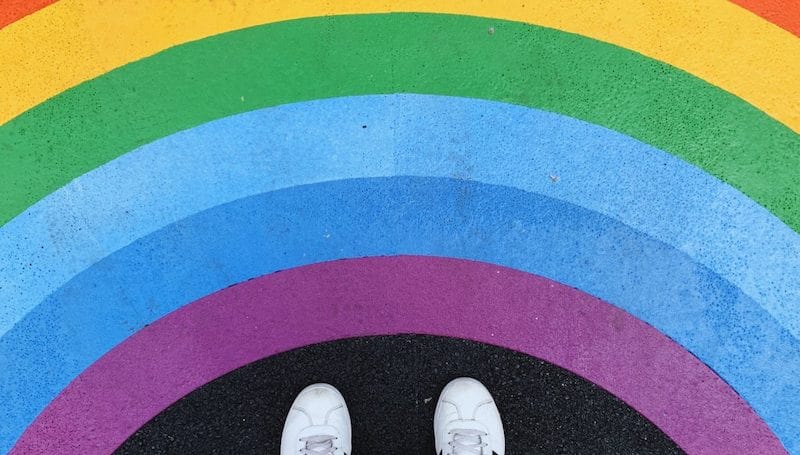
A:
[(75, 40)]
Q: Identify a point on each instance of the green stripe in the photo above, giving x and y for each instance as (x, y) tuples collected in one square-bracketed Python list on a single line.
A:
[(419, 53)]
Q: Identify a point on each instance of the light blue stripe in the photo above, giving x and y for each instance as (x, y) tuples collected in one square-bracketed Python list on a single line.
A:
[(373, 136), (422, 216)]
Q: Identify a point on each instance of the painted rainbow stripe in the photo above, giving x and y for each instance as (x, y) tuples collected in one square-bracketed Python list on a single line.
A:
[(369, 217), (137, 181), (325, 140), (779, 12), (281, 63), (783, 13), (243, 323), (721, 49)]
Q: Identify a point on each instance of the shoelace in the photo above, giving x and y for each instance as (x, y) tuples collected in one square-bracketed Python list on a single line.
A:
[(468, 442), (318, 445)]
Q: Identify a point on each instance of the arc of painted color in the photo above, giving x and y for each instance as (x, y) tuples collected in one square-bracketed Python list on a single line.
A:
[(720, 42), (253, 68), (14, 10), (374, 217), (415, 135), (783, 13), (780, 12), (242, 324)]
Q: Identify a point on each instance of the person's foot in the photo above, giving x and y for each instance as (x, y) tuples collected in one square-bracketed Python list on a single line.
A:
[(318, 423), (467, 421)]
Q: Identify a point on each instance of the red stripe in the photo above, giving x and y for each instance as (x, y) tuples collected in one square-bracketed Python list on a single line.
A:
[(14, 10), (783, 13)]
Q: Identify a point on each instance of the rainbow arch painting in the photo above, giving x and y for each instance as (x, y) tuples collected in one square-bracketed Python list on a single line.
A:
[(612, 187)]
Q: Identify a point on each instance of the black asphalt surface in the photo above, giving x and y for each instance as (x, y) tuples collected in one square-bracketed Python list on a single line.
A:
[(391, 384)]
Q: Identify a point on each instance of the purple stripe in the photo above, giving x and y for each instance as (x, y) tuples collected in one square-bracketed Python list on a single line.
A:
[(374, 296)]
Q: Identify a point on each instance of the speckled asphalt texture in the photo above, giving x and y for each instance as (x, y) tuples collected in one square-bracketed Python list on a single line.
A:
[(391, 384), (611, 187)]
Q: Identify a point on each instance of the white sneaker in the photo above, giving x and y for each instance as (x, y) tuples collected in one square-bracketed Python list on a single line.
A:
[(467, 421), (318, 423)]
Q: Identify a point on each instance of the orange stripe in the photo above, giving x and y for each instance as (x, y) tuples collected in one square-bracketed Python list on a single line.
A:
[(783, 13), (14, 10)]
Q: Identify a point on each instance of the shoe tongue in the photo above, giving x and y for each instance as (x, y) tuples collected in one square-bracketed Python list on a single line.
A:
[(318, 430), (466, 425)]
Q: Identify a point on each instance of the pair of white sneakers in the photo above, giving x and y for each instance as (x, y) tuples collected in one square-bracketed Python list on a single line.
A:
[(466, 422)]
